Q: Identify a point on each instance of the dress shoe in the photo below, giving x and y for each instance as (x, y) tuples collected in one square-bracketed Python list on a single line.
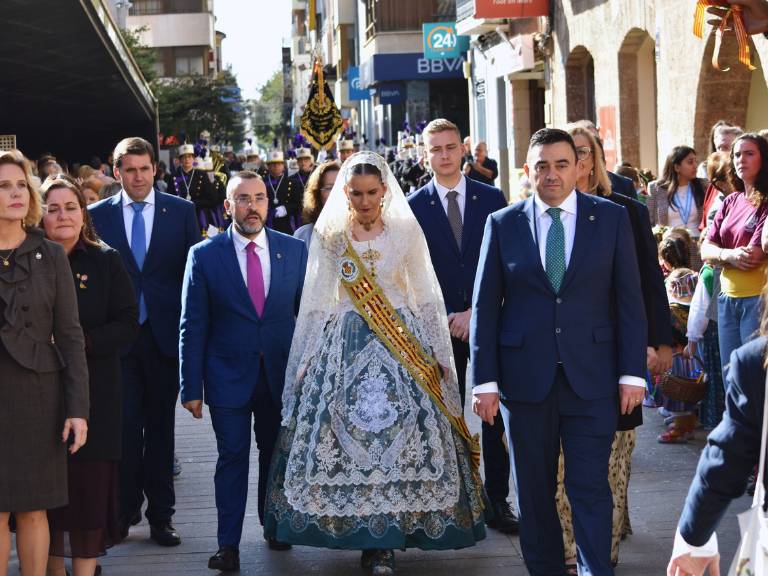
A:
[(126, 523), (277, 545), (504, 520), (227, 559), (164, 534)]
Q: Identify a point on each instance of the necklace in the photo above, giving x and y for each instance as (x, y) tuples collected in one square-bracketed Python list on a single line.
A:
[(6, 260), (371, 256), (274, 190), (187, 184)]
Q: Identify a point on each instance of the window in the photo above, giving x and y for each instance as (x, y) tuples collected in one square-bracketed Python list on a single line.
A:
[(189, 61), (146, 7)]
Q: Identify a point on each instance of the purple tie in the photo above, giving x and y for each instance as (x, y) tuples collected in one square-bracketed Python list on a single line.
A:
[(255, 278)]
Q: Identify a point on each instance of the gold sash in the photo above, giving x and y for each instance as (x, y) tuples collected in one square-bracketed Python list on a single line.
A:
[(386, 323)]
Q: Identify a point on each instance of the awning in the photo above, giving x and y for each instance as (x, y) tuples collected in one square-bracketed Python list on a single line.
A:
[(408, 66), (68, 84)]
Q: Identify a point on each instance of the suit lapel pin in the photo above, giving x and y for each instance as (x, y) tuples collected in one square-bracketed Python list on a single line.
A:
[(164, 210), (38, 256), (474, 197), (433, 202), (592, 218), (278, 255)]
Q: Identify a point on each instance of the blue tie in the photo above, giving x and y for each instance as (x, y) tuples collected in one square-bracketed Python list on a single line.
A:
[(139, 249)]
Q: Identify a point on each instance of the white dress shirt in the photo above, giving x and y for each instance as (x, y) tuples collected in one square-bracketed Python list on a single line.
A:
[(681, 547), (461, 198), (262, 250), (539, 229), (148, 213)]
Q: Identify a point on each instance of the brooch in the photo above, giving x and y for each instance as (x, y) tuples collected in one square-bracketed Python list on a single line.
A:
[(83, 278), (38, 256)]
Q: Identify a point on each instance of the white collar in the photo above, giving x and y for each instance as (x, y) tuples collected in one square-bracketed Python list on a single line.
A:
[(461, 187), (150, 199), (568, 205), (241, 242)]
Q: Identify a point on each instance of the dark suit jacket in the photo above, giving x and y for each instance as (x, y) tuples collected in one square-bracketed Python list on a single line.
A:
[(733, 448), (109, 317), (622, 185), (521, 328), (174, 231), (652, 285), (41, 330), (455, 268), (223, 340)]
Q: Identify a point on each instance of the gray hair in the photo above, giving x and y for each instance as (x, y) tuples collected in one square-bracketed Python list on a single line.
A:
[(234, 182)]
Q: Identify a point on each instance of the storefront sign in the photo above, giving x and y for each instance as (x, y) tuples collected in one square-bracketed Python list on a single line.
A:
[(391, 93), (606, 116), (511, 8), (410, 66), (441, 41), (355, 91), (513, 56)]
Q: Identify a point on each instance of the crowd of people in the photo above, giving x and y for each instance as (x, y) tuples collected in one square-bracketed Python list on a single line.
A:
[(339, 317)]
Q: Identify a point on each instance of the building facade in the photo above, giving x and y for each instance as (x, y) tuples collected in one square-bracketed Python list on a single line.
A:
[(182, 32), (634, 68)]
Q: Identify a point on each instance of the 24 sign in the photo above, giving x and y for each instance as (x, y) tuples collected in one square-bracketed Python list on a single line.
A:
[(442, 42)]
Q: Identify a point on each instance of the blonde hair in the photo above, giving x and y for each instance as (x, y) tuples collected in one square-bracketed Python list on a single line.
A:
[(35, 211), (441, 125), (598, 180)]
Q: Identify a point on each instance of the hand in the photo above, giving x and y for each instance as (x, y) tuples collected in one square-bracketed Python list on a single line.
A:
[(631, 397), (686, 565), (664, 355), (458, 324), (743, 258), (467, 168), (281, 212), (691, 349), (79, 428), (486, 405), (195, 407), (651, 359), (755, 14)]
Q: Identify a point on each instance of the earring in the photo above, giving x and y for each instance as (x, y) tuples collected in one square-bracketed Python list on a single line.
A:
[(349, 206), (381, 204)]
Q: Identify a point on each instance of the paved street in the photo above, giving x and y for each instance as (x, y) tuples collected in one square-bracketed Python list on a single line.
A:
[(660, 479)]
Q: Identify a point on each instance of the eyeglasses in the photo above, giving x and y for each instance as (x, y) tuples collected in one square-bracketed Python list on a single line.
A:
[(583, 152), (246, 202)]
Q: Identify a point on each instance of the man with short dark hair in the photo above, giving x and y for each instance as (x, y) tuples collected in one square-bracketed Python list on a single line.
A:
[(153, 232), (252, 277), (558, 334)]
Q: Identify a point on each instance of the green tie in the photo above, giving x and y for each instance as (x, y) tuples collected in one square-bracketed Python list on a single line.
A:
[(555, 253)]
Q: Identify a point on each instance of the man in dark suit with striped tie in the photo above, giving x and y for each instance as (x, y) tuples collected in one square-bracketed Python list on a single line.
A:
[(452, 210)]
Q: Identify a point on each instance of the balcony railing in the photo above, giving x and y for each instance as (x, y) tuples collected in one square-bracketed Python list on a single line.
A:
[(405, 15), (152, 7)]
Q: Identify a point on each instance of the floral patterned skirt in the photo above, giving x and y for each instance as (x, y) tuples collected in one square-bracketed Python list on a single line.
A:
[(367, 460)]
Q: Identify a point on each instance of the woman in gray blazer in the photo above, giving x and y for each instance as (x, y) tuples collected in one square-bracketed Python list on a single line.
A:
[(43, 371)]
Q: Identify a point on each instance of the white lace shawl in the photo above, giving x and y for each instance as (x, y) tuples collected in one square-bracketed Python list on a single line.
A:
[(323, 296)]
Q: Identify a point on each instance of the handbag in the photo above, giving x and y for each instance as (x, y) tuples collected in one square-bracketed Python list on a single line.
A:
[(751, 558)]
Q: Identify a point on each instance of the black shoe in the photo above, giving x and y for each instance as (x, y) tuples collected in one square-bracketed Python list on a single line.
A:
[(752, 483), (277, 545), (227, 559), (164, 534), (126, 523), (504, 520)]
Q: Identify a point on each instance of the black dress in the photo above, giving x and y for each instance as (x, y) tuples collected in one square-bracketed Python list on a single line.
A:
[(109, 316)]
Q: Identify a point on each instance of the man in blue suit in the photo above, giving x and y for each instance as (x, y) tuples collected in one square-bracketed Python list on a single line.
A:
[(242, 291), (558, 331), (153, 232), (452, 210)]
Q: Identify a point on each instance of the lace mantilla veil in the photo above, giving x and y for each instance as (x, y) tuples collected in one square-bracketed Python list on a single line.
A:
[(323, 294)]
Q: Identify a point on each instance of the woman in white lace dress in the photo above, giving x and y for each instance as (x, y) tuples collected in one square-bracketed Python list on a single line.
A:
[(374, 454)]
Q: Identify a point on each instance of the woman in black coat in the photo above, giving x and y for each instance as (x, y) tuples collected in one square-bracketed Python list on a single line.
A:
[(109, 317)]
